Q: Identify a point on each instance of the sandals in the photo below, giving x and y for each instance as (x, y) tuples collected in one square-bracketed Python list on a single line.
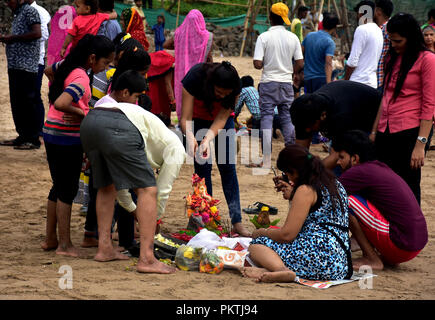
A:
[(256, 208)]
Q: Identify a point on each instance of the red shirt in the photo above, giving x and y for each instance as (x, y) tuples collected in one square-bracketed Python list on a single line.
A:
[(416, 100), (86, 24)]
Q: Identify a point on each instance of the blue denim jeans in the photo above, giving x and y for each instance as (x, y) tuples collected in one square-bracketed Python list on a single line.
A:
[(226, 166)]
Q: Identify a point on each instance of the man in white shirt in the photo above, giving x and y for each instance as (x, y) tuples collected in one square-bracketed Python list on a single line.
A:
[(366, 49), (275, 51), (45, 20)]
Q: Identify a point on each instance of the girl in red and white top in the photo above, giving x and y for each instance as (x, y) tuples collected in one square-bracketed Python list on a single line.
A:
[(405, 116)]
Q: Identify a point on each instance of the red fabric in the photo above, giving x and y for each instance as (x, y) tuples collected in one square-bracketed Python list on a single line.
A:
[(135, 29), (83, 25), (159, 96), (375, 228), (161, 63), (200, 112)]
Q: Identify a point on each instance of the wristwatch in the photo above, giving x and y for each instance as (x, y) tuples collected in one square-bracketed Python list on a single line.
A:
[(422, 139)]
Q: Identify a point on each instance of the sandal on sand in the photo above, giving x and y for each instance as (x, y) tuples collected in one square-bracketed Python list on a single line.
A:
[(256, 208)]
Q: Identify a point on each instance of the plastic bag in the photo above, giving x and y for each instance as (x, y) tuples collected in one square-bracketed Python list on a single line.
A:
[(232, 258), (206, 239), (211, 262), (188, 258)]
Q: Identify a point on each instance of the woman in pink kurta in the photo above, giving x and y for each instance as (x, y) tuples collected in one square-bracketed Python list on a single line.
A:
[(405, 116), (192, 43), (60, 23)]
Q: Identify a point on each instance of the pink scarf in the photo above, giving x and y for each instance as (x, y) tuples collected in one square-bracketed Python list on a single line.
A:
[(191, 40), (60, 23)]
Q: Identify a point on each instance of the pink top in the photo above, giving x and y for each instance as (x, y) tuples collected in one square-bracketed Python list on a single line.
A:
[(55, 129), (416, 100), (86, 24)]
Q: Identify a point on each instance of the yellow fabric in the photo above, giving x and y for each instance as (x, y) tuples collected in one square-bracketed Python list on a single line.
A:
[(282, 10)]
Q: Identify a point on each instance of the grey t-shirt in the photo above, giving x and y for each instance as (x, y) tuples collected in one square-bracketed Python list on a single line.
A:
[(24, 55)]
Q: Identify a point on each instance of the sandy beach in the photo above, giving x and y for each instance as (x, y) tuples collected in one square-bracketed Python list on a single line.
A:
[(27, 272)]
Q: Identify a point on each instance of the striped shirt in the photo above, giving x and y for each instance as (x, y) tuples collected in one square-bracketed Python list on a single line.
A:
[(249, 96), (100, 85), (55, 130), (385, 48)]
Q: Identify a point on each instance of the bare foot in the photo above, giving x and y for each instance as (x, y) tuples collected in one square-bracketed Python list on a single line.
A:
[(252, 272), (48, 245), (277, 276), (109, 255), (374, 263), (241, 230), (69, 250), (154, 267), (89, 242)]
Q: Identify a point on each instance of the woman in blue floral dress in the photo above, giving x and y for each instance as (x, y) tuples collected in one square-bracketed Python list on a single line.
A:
[(314, 242)]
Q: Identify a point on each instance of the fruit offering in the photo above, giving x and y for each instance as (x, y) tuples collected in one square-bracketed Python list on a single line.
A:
[(188, 258), (211, 263)]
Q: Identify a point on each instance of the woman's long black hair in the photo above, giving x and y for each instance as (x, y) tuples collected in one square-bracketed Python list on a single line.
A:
[(311, 172), (132, 59), (222, 75), (406, 26), (101, 46)]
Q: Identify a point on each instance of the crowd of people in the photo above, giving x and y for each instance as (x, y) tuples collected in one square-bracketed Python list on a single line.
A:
[(110, 103)]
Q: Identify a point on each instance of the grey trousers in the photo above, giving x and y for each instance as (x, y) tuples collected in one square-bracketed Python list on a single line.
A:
[(281, 95)]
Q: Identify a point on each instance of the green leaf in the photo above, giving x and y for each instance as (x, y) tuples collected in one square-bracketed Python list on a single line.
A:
[(275, 222)]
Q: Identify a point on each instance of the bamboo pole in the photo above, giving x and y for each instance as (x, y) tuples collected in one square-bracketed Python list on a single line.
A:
[(253, 21), (178, 14), (336, 10), (329, 5), (245, 27), (345, 23)]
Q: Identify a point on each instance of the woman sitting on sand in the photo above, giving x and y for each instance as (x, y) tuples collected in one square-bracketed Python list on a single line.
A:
[(314, 242)]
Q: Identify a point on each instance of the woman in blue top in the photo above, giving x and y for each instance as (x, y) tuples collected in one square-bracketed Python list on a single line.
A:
[(314, 241)]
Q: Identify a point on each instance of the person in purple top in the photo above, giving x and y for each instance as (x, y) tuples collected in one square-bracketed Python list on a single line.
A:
[(385, 214)]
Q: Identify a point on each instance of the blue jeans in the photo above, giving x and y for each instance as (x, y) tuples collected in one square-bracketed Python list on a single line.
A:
[(159, 45), (314, 84), (227, 168)]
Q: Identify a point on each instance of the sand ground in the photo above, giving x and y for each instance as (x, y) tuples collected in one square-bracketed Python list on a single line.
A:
[(26, 272)]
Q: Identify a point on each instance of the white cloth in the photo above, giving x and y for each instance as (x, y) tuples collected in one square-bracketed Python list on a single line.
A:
[(277, 47), (365, 54), (163, 148), (45, 20)]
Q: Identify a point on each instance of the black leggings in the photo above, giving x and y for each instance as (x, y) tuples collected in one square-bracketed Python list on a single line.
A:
[(395, 149), (65, 163)]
